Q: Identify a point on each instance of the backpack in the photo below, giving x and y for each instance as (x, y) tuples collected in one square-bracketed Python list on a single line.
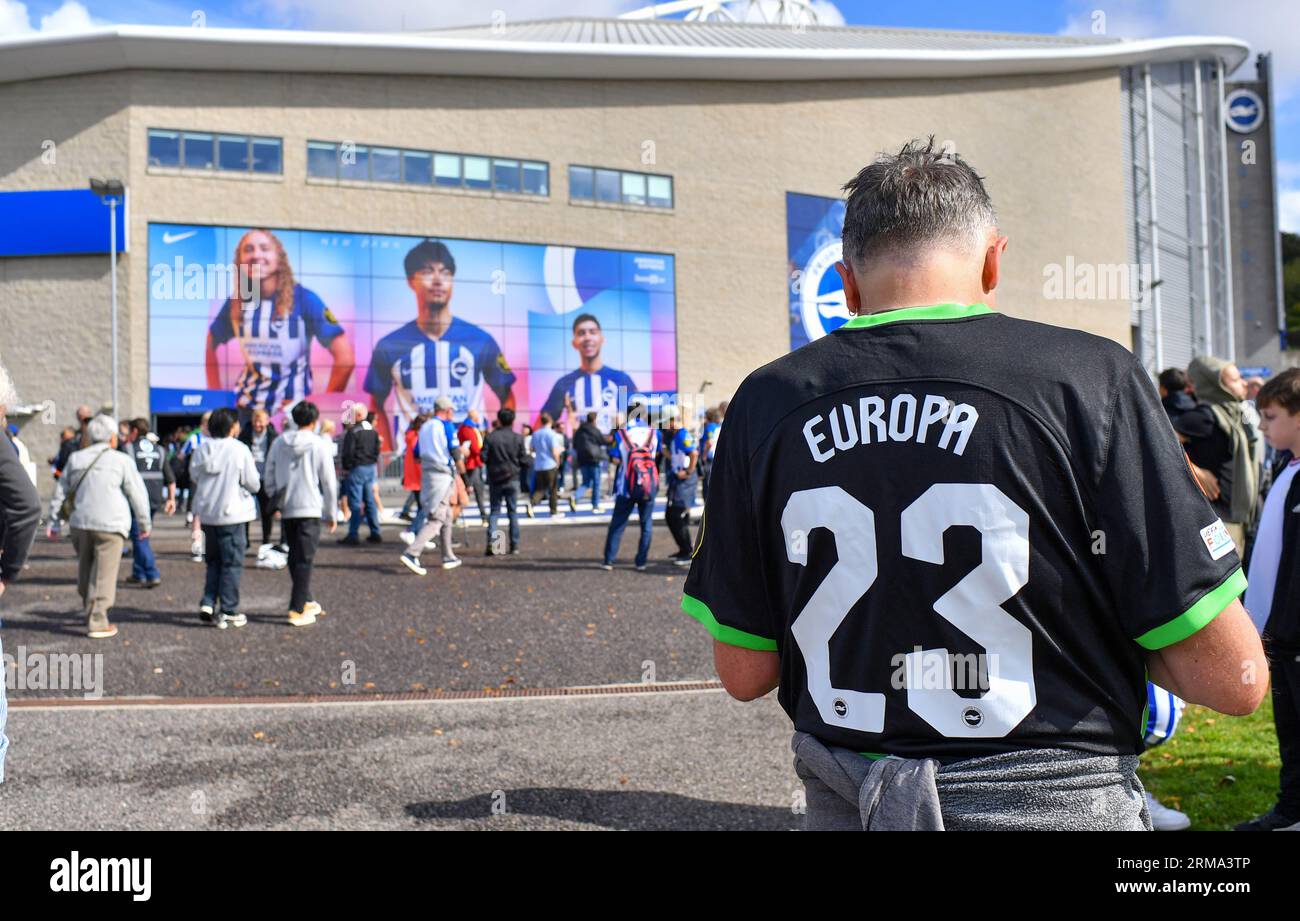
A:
[(640, 470)]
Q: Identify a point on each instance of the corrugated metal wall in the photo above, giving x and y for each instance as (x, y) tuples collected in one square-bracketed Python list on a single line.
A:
[(1175, 190)]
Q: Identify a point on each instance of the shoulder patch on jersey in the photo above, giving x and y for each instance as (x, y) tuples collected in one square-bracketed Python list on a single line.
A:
[(502, 363), (1217, 540), (329, 316)]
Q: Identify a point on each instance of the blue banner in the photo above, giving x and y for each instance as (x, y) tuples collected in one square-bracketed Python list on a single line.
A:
[(57, 222)]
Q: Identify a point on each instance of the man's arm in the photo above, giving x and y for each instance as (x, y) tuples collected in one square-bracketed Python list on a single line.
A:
[(1221, 666), (747, 674), (344, 361)]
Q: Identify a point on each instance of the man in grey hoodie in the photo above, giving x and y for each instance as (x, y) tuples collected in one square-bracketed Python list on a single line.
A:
[(225, 482), (300, 481)]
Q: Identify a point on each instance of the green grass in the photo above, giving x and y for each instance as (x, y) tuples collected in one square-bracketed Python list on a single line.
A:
[(1220, 770)]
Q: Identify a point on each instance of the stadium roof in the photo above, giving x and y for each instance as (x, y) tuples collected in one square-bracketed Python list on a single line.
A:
[(600, 49)]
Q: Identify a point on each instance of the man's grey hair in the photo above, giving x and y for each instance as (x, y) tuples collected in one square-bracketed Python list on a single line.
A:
[(101, 428), (916, 199), (8, 396)]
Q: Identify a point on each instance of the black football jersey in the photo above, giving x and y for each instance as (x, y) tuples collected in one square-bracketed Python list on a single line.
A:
[(960, 532)]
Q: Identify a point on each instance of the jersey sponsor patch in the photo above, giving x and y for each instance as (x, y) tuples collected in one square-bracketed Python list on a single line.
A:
[(1217, 540)]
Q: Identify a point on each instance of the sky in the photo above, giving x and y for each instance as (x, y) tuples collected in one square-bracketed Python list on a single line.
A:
[(1267, 25)]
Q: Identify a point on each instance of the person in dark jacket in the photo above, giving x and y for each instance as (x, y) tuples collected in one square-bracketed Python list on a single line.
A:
[(359, 459), (20, 513), (588, 451), (505, 454), (144, 449), (258, 437), (1221, 444), (1176, 393), (1273, 591)]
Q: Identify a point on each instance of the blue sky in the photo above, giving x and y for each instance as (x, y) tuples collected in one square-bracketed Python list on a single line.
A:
[(1268, 25)]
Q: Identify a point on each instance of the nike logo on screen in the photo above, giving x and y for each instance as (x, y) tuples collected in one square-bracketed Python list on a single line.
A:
[(177, 237)]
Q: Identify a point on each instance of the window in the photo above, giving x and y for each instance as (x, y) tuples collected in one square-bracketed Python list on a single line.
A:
[(535, 179), (634, 188), (164, 148), (505, 175), (385, 164), (228, 153), (478, 172), (266, 156), (232, 152), (582, 182), (196, 152), (587, 183), (608, 185), (322, 160), (660, 191), (417, 167), (354, 161), (446, 169)]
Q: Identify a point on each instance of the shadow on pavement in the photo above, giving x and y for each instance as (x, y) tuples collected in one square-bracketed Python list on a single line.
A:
[(630, 810)]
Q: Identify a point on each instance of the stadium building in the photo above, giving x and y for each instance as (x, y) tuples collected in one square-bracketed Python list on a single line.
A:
[(674, 182)]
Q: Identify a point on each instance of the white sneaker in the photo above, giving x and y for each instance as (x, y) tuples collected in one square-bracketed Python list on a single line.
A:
[(408, 537), (450, 564), (430, 545), (413, 564), (196, 548), (313, 608), (1165, 819), (270, 557)]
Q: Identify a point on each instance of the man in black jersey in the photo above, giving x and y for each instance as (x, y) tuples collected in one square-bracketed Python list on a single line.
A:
[(963, 540)]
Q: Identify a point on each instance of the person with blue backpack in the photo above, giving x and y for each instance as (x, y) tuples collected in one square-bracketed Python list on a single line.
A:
[(634, 454)]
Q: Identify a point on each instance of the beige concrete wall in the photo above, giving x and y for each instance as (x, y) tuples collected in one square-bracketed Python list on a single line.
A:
[(1050, 148), (55, 319)]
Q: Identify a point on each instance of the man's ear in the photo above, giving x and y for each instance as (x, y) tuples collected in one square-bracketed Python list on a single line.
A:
[(992, 271), (852, 296)]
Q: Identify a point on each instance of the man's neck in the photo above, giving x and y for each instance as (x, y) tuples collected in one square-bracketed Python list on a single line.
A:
[(434, 320), (893, 287), (591, 365)]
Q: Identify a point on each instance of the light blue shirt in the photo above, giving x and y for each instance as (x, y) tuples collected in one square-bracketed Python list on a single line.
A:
[(545, 443), (434, 451)]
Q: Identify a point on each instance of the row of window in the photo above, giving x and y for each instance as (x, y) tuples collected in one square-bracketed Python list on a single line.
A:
[(611, 185), (237, 153), (327, 160)]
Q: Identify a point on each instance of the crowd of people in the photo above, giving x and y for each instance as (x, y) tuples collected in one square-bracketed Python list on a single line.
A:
[(234, 473)]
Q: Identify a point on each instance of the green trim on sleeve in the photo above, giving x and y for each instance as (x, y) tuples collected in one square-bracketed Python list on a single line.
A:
[(1210, 606), (721, 632)]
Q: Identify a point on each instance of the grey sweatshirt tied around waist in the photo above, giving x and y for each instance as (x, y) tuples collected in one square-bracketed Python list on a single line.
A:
[(1029, 790)]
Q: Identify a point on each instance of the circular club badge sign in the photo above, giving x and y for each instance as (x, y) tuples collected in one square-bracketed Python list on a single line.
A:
[(1243, 111), (821, 299)]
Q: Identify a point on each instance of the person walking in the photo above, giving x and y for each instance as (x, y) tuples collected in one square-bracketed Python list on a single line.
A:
[(438, 466), (411, 471), (548, 448), (505, 454), (470, 436), (20, 515), (105, 491), (635, 456), (359, 458), (225, 482), (147, 454), (300, 478), (589, 452), (258, 438), (683, 451)]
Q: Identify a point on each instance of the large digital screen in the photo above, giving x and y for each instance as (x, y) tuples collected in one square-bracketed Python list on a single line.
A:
[(813, 227), (261, 318)]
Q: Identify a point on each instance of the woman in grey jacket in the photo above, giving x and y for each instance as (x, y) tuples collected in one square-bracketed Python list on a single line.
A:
[(300, 480), (107, 490)]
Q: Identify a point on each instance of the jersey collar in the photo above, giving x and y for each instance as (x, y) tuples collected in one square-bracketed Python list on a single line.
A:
[(927, 312)]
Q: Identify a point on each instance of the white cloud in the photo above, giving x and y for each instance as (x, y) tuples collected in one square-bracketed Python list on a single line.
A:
[(70, 17), (1288, 209), (1268, 25)]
